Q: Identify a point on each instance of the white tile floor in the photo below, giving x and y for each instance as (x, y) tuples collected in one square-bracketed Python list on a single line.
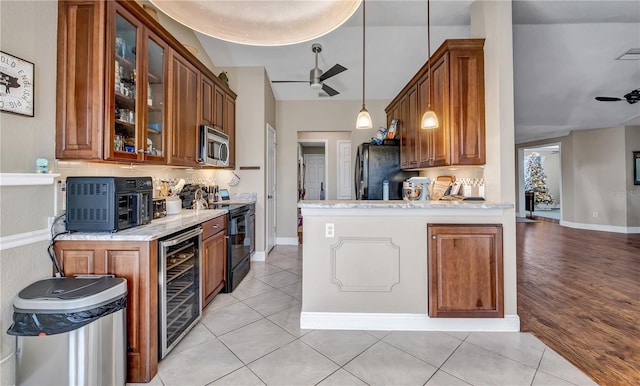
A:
[(253, 337)]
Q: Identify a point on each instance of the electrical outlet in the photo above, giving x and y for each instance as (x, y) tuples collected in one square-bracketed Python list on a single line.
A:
[(329, 230), (595, 214)]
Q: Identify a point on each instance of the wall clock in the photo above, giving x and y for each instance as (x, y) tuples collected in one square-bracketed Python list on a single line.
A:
[(16, 85)]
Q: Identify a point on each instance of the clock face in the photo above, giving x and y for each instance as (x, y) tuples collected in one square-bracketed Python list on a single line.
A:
[(16, 85)]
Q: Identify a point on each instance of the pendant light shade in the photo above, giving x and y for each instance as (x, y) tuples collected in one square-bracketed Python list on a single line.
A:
[(429, 118), (364, 119)]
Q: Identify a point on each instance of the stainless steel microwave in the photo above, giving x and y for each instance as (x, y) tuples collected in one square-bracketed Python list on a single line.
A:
[(214, 147)]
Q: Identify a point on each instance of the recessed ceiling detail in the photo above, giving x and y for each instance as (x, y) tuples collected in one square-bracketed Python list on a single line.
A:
[(260, 23)]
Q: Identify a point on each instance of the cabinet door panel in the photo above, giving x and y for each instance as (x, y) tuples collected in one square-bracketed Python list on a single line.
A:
[(214, 260), (467, 108), (207, 101), (184, 129), (219, 106), (465, 271), (440, 105), (80, 80)]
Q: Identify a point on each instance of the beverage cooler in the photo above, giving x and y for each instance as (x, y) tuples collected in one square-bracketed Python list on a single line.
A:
[(179, 294)]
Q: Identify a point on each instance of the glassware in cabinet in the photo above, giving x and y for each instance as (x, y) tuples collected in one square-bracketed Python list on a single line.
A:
[(125, 78), (155, 91)]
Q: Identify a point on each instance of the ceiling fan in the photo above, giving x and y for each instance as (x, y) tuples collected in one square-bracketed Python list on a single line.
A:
[(317, 76), (632, 97)]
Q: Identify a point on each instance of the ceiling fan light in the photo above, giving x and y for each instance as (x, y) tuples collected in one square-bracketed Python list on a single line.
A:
[(429, 120), (316, 86), (363, 121)]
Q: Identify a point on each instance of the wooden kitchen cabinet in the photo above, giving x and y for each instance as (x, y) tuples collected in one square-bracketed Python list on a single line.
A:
[(109, 63), (433, 149), (117, 73), (212, 99), (214, 258), (465, 270), (184, 112), (138, 263), (457, 98)]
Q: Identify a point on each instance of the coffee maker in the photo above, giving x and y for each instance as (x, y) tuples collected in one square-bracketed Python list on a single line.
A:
[(416, 189)]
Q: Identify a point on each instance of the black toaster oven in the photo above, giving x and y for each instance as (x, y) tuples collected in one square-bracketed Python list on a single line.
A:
[(108, 204)]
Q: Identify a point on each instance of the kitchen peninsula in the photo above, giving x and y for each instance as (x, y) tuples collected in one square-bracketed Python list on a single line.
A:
[(397, 265)]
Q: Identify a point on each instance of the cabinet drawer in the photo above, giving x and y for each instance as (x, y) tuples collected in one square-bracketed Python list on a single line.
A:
[(214, 226)]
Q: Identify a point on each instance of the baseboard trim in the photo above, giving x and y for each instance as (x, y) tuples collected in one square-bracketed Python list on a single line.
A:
[(403, 322), (259, 256), (600, 227), (286, 241), (26, 238)]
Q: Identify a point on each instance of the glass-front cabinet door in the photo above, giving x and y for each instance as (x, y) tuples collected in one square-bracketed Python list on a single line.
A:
[(137, 122), (126, 102), (154, 146)]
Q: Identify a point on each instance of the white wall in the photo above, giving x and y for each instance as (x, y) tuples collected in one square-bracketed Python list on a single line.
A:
[(27, 30), (315, 116)]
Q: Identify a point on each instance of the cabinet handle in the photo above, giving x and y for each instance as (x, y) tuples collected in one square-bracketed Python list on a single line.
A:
[(215, 226), (433, 237), (142, 151)]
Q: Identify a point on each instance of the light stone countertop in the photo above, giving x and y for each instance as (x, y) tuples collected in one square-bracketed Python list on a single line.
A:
[(156, 229), (401, 204)]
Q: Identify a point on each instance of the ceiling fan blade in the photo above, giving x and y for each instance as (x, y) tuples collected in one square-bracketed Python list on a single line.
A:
[(333, 71), (329, 90), (608, 99), (289, 81)]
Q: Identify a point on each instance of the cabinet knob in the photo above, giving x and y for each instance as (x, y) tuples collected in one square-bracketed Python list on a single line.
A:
[(143, 151), (216, 226), (433, 237)]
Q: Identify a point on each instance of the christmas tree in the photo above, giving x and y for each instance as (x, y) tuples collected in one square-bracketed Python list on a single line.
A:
[(535, 180)]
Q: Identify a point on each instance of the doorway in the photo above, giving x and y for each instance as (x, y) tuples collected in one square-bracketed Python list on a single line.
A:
[(312, 169), (270, 224), (541, 176)]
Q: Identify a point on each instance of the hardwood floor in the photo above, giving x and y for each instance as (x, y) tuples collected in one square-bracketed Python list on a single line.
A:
[(579, 292)]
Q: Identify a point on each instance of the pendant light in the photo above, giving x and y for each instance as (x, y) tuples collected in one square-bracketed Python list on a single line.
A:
[(429, 118), (364, 119)]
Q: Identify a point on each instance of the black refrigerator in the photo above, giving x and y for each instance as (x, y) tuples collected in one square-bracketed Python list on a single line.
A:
[(374, 163)]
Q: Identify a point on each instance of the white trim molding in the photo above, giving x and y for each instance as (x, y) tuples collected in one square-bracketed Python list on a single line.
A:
[(404, 322), (286, 241), (26, 238), (600, 227), (23, 179), (259, 256)]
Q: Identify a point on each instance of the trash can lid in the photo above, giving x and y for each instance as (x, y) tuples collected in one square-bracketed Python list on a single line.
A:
[(72, 293)]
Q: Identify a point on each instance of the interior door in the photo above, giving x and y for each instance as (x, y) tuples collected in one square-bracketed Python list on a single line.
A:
[(345, 169), (314, 181), (270, 224)]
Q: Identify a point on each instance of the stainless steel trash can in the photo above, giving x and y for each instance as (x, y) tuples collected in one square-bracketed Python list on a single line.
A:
[(71, 331)]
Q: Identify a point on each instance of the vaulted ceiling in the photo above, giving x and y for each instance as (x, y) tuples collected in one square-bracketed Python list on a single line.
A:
[(564, 56)]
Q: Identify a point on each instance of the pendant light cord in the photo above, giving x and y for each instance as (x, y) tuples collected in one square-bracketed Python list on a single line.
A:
[(429, 51), (364, 12)]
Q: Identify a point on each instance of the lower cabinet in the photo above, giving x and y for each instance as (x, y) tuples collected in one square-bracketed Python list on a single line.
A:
[(465, 270), (138, 263), (214, 258)]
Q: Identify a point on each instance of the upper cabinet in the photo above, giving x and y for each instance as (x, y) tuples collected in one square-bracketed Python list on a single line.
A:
[(128, 90), (456, 94)]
